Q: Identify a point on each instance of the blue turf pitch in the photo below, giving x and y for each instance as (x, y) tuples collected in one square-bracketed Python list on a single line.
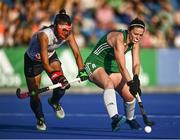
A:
[(86, 118)]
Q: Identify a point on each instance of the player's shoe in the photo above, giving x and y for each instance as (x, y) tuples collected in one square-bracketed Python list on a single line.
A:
[(117, 121), (41, 124), (58, 109), (134, 124)]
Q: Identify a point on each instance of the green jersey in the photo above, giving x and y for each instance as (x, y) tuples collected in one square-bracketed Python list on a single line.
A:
[(103, 56)]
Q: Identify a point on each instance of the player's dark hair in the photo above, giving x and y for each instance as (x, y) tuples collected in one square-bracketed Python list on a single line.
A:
[(136, 23), (62, 18)]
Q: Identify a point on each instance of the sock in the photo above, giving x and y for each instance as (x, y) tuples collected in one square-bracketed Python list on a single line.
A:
[(129, 108), (57, 95), (36, 107), (110, 102)]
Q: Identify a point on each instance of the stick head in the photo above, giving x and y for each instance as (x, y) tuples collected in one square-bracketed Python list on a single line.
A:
[(21, 95), (18, 92), (147, 121)]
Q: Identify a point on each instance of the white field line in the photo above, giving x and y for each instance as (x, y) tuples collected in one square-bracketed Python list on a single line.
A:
[(82, 115)]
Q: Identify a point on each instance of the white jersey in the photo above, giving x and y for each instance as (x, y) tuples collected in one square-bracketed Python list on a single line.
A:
[(33, 50)]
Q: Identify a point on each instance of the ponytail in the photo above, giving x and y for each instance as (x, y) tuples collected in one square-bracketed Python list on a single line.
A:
[(62, 11), (62, 17)]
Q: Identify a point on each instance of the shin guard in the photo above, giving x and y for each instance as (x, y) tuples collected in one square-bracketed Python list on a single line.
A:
[(110, 102), (129, 108)]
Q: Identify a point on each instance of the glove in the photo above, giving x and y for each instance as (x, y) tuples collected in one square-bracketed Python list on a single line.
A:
[(58, 77), (134, 86), (82, 74), (137, 81)]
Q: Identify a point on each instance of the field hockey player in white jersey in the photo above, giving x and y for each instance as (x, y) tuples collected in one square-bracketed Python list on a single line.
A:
[(41, 56)]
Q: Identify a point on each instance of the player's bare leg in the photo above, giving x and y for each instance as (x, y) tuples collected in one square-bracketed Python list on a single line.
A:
[(35, 102), (102, 79), (57, 94), (129, 100)]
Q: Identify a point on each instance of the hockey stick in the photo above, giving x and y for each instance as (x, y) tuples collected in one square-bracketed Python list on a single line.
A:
[(143, 113), (23, 95)]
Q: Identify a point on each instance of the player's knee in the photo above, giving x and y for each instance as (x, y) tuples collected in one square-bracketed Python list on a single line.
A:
[(128, 98), (108, 85), (126, 95)]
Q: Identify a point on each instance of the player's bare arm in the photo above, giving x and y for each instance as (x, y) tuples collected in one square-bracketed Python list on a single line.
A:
[(76, 52), (43, 41), (136, 59), (120, 57)]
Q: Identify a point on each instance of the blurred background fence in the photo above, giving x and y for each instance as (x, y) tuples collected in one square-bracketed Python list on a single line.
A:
[(160, 53)]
